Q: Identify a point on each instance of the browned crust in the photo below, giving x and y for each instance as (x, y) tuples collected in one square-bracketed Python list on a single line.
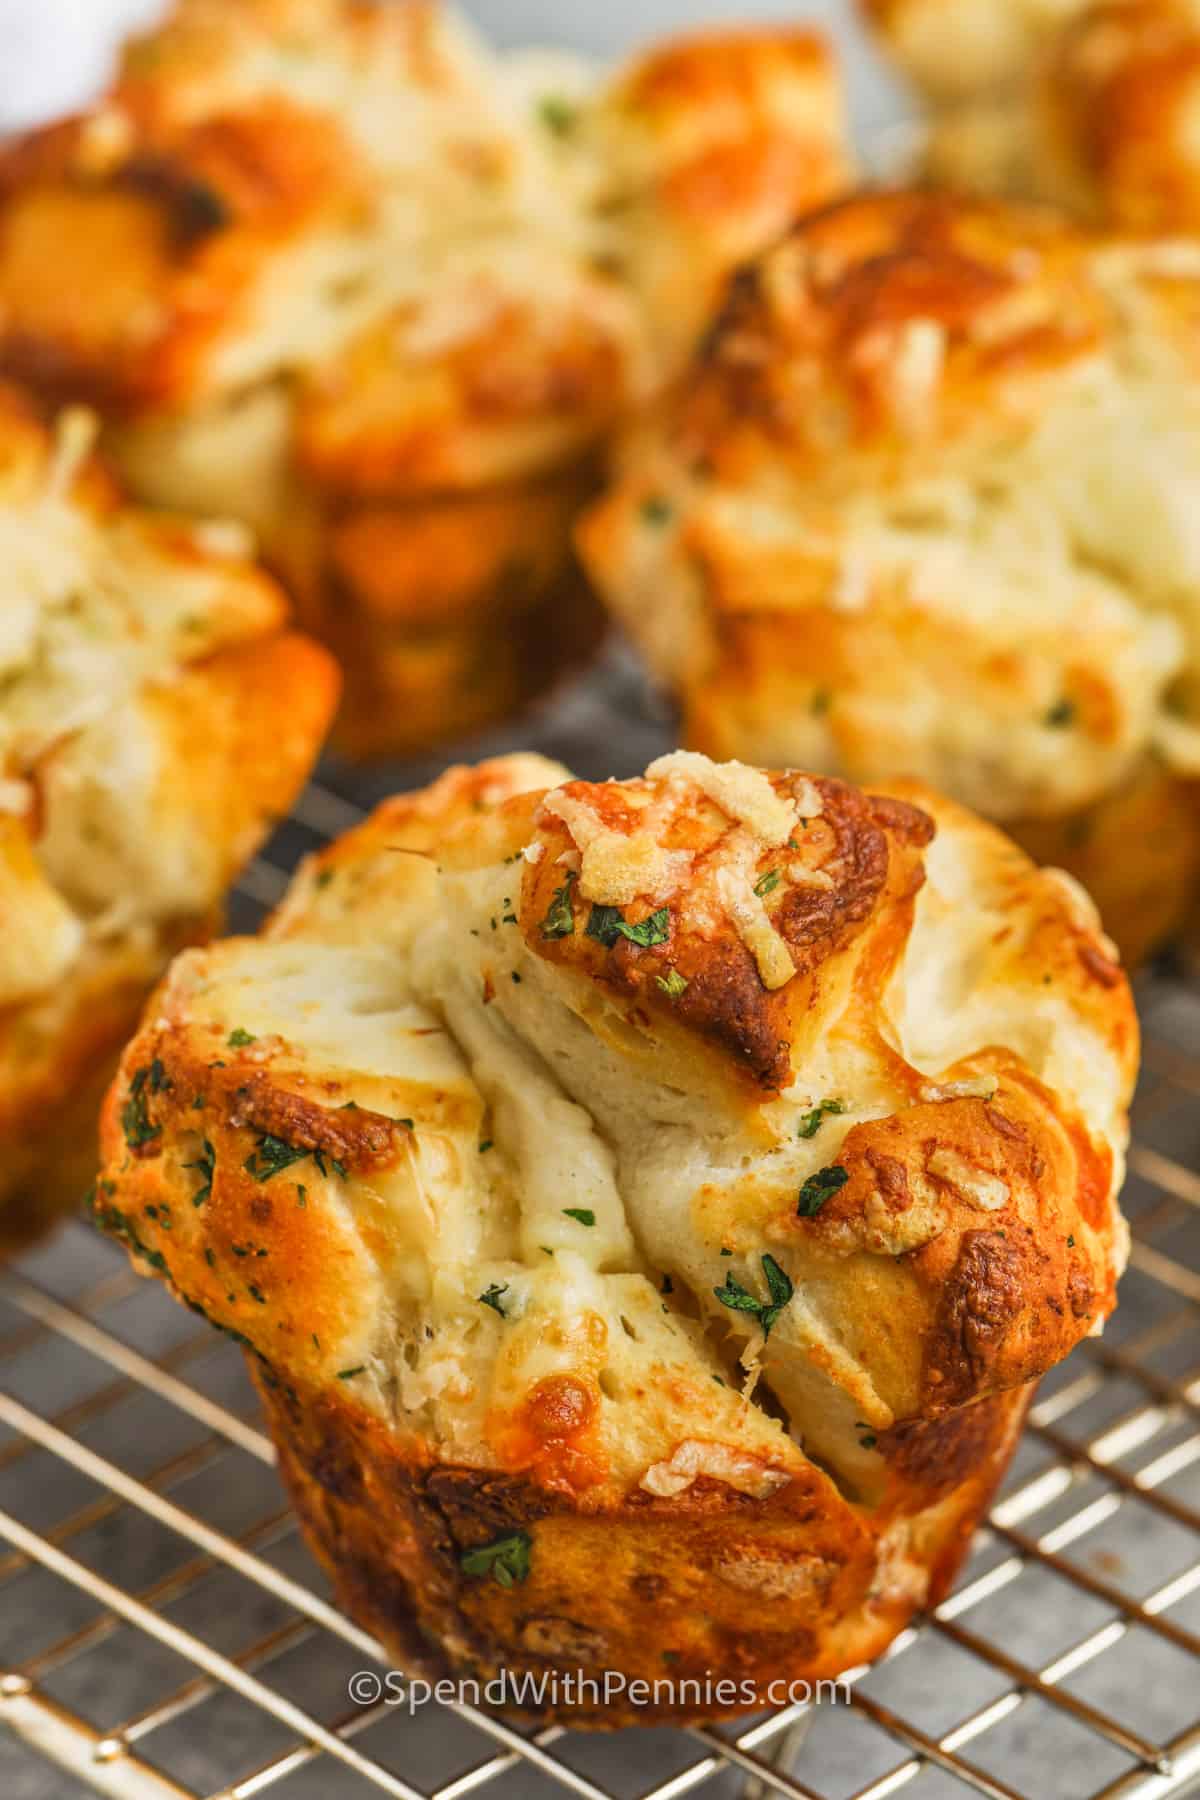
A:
[(803, 355), (711, 1583), (867, 848)]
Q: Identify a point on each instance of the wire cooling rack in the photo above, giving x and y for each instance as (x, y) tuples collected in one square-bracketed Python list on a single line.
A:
[(164, 1636)]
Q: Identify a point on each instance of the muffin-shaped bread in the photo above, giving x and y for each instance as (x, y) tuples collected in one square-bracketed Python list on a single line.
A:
[(155, 717), (1094, 109), (925, 505), (646, 1206), (335, 269)]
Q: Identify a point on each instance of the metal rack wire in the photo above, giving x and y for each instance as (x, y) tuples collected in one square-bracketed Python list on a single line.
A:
[(163, 1635)]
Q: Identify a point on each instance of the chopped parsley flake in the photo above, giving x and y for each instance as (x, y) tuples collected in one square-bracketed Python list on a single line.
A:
[(819, 1188), (136, 1123), (485, 1146), (506, 1559), (492, 1297), (348, 1374), (607, 923), (656, 510), (1060, 714), (673, 984), (738, 1299), (766, 884), (239, 1039), (820, 703), (584, 1214), (557, 115), (559, 921), (811, 1122), (206, 1165), (272, 1157)]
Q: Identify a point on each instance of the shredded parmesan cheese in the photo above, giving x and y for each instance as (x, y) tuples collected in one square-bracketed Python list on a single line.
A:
[(979, 1185), (754, 927), (915, 370), (744, 793), (617, 866), (978, 1087), (719, 1462), (74, 439)]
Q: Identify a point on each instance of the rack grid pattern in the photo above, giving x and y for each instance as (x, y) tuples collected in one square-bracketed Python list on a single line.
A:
[(163, 1635)]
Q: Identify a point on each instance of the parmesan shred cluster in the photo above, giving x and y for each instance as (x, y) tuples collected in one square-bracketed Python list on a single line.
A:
[(617, 866)]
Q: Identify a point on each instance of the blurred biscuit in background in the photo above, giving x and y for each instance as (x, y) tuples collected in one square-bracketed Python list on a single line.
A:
[(320, 263)]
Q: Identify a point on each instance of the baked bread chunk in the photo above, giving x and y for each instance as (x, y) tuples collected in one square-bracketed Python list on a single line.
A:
[(1093, 109), (925, 505), (155, 717), (338, 270), (646, 1206)]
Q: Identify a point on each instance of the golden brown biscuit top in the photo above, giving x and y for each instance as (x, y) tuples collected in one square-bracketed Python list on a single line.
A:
[(470, 263), (515, 1112), (921, 505), (799, 868), (895, 318)]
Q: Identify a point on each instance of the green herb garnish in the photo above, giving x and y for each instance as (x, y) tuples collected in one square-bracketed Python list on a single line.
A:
[(272, 1157), (206, 1163), (818, 1189), (506, 1559), (491, 1297), (766, 884), (557, 115), (584, 1214), (1060, 714), (656, 510), (348, 1374), (811, 1122), (607, 923), (672, 984), (738, 1299), (238, 1039), (559, 921), (135, 1115)]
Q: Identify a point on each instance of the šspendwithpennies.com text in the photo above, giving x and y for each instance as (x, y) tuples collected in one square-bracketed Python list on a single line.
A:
[(572, 1689)]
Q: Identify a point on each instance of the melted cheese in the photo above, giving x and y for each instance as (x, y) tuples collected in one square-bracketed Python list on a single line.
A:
[(979, 1185), (617, 866), (695, 1457), (754, 927), (744, 793)]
